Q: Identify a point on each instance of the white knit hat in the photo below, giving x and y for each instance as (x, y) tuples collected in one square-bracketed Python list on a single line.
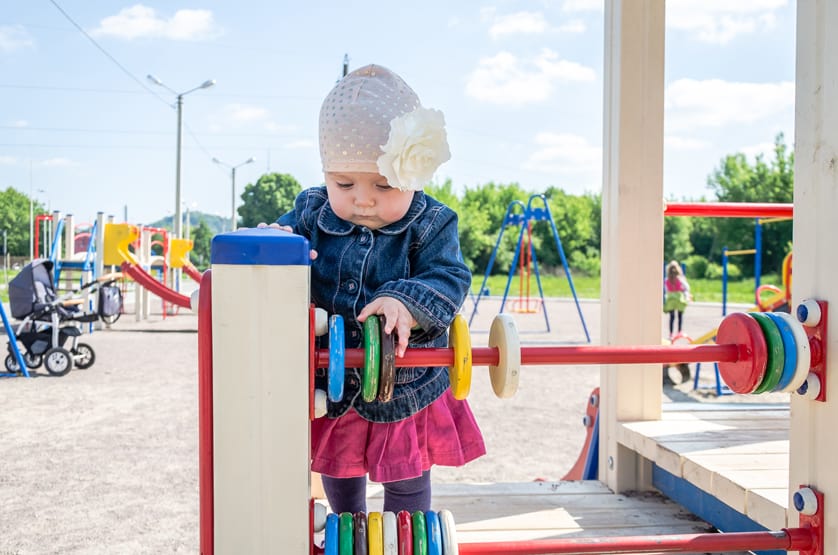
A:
[(372, 121)]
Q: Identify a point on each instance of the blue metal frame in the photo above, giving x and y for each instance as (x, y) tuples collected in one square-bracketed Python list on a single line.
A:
[(529, 214), (13, 343)]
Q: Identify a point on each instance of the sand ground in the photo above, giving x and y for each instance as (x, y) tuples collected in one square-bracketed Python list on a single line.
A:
[(105, 460)]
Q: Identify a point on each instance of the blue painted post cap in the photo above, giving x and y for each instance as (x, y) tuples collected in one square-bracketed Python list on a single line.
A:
[(260, 247)]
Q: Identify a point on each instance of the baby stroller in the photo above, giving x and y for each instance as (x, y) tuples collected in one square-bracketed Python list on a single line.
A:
[(48, 322)]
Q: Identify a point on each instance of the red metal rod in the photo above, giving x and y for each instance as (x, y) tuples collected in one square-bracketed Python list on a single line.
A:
[(791, 539), (534, 356), (205, 453), (729, 209)]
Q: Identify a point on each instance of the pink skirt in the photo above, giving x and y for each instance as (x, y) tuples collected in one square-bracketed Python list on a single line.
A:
[(444, 433)]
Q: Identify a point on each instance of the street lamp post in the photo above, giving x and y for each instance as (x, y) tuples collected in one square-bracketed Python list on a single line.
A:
[(233, 191), (205, 85)]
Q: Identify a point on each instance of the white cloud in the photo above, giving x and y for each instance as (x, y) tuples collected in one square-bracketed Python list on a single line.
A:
[(20, 123), (140, 21), (507, 79), (240, 113), (564, 153), (301, 143), (674, 142), (274, 127), (583, 5), (8, 160), (715, 103), (720, 21), (518, 23), (575, 26), (765, 149), (59, 162), (14, 37)]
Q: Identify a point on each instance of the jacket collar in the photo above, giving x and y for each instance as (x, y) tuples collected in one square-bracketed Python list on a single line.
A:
[(329, 222)]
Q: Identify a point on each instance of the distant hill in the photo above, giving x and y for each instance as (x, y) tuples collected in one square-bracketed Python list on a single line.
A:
[(217, 224)]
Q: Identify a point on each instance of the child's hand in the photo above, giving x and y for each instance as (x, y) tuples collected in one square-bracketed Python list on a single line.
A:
[(396, 317), (274, 225)]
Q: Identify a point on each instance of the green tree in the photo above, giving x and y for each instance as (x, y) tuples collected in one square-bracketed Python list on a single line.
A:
[(676, 239), (14, 220), (577, 223), (766, 182), (201, 242), (270, 197), (482, 210)]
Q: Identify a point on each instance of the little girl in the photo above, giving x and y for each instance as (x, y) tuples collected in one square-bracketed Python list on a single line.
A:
[(384, 247), (677, 295)]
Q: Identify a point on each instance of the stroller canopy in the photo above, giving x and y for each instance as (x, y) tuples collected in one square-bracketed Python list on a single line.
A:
[(32, 289)]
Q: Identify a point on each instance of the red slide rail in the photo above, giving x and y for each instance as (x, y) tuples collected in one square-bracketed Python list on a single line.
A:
[(147, 280)]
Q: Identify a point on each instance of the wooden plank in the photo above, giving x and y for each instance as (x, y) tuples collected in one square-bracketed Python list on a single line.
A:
[(723, 445), (731, 487), (768, 506), (721, 462), (681, 428)]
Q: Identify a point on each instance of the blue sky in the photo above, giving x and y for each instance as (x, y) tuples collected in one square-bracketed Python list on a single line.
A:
[(520, 84)]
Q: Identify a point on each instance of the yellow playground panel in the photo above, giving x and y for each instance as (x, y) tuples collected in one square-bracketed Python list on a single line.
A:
[(178, 252)]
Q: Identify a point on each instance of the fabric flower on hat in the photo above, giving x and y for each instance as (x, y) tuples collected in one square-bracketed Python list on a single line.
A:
[(416, 147)]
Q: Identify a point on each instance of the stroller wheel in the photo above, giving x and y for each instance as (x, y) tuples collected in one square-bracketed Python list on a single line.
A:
[(83, 356), (58, 361), (11, 364), (33, 360)]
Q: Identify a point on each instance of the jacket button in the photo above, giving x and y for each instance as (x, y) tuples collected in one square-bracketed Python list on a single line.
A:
[(351, 285)]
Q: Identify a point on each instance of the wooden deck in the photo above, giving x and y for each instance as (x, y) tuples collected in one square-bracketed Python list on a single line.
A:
[(736, 453), (541, 510)]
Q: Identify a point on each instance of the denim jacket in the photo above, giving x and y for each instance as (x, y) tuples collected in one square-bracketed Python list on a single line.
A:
[(415, 260)]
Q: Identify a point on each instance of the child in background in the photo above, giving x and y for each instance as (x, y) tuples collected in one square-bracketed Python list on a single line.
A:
[(677, 295), (381, 246)]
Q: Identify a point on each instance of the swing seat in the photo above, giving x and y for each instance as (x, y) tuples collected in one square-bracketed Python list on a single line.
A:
[(526, 306)]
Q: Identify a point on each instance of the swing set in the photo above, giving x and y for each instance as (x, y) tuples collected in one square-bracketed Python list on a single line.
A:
[(523, 216)]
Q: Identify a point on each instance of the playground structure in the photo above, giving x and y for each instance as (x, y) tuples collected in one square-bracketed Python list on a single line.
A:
[(235, 504), (776, 298), (248, 500), (521, 215), (81, 258)]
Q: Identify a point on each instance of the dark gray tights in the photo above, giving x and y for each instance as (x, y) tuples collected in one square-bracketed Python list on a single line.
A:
[(349, 495)]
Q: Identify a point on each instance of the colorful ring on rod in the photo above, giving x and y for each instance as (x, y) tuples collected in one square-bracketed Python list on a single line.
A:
[(372, 358), (375, 533), (804, 353), (789, 349), (346, 536), (449, 533), (420, 534), (742, 329), (390, 533), (360, 524), (405, 526), (336, 358), (460, 373), (434, 533), (504, 335), (776, 353), (332, 535), (387, 375)]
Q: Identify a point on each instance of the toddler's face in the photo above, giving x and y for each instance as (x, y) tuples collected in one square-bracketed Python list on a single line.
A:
[(365, 198)]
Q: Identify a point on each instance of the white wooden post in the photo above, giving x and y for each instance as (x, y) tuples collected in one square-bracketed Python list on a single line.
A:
[(260, 332), (632, 226), (813, 448)]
